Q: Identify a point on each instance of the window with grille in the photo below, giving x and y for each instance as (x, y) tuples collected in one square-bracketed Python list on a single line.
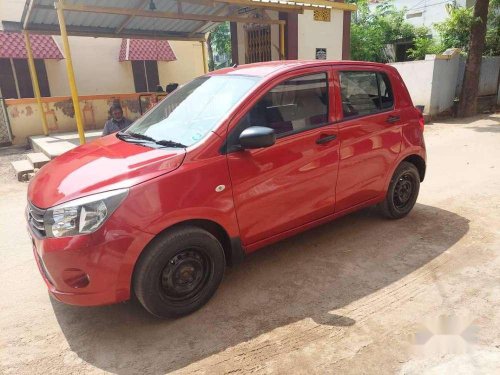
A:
[(258, 43)]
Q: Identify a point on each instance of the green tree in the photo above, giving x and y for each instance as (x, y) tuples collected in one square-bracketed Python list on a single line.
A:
[(372, 31), (454, 32), (423, 44), (470, 87), (218, 41)]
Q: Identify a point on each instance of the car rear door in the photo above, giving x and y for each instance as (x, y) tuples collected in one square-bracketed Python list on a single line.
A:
[(292, 182), (369, 130)]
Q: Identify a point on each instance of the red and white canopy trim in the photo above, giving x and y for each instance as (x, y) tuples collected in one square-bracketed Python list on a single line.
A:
[(44, 46), (146, 49)]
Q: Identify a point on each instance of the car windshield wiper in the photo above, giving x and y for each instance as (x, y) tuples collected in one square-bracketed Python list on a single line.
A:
[(170, 144), (126, 136), (142, 137)]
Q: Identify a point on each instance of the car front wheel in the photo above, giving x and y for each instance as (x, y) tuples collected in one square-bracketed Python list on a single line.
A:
[(179, 272)]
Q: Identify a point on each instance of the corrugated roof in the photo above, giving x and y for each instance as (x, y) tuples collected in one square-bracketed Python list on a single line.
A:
[(134, 19)]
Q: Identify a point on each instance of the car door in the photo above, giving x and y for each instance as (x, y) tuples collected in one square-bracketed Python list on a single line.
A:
[(369, 131), (291, 183)]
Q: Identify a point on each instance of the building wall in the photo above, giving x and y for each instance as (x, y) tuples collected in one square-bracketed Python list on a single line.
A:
[(98, 71), (311, 35), (189, 63), (425, 13), (24, 115), (275, 39), (317, 34), (96, 66), (11, 10)]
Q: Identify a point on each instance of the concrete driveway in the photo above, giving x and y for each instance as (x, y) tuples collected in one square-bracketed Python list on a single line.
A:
[(358, 295)]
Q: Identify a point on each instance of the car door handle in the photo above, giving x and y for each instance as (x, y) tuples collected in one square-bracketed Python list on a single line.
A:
[(392, 119), (326, 139)]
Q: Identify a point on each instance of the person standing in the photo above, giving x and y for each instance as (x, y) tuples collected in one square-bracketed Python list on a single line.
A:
[(117, 122)]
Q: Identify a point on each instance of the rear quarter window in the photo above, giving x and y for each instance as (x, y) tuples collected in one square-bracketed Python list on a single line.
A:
[(365, 93)]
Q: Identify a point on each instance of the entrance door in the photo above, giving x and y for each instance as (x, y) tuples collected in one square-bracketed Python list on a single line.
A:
[(292, 182)]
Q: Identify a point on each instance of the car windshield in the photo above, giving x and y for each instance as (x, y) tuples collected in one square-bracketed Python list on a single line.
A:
[(191, 112)]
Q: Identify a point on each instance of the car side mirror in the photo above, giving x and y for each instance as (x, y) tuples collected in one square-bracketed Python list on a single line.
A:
[(257, 137)]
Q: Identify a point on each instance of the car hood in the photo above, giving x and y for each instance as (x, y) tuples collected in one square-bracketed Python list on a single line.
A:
[(102, 165)]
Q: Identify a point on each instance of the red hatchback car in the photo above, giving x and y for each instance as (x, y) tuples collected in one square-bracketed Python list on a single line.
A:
[(228, 163)]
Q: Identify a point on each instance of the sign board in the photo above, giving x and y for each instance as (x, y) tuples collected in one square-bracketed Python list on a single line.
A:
[(320, 53)]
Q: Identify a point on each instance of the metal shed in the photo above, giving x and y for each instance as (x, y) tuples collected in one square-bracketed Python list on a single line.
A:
[(147, 19)]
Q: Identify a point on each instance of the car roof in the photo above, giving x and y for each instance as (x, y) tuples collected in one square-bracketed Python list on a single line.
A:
[(265, 69)]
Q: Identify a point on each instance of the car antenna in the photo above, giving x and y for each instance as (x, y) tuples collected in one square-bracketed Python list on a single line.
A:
[(235, 66)]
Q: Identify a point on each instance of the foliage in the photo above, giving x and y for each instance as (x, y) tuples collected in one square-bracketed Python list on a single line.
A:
[(371, 31), (454, 32), (423, 44), (219, 41), (492, 47)]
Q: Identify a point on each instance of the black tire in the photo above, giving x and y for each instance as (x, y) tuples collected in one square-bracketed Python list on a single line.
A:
[(179, 272), (402, 193)]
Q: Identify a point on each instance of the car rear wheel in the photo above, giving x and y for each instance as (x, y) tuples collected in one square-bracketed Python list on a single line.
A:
[(402, 193), (179, 272)]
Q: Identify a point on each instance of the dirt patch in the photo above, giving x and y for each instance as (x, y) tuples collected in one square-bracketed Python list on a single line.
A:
[(359, 295)]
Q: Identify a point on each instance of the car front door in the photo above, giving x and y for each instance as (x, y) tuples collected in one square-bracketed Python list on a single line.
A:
[(369, 134), (291, 183)]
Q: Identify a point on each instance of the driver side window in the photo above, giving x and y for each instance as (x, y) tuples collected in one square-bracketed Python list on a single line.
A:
[(292, 106)]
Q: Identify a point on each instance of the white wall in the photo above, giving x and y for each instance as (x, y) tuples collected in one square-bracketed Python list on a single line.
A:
[(11, 10), (435, 82), (417, 76), (443, 84), (317, 34)]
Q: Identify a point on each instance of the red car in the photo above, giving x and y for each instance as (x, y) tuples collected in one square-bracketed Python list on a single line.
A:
[(227, 164)]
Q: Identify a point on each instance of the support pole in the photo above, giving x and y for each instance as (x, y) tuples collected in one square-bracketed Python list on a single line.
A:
[(204, 52), (71, 73), (282, 41), (34, 81)]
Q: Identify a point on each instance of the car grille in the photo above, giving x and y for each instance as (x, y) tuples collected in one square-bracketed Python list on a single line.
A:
[(35, 219)]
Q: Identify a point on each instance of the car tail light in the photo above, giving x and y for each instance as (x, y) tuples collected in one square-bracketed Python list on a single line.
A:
[(421, 120)]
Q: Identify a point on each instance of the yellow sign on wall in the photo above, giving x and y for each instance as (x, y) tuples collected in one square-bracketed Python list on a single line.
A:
[(323, 15)]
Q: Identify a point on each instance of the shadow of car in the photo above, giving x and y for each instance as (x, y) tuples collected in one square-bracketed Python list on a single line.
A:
[(307, 276)]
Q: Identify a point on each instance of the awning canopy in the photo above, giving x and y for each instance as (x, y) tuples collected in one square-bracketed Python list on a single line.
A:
[(146, 49), (12, 46), (155, 19)]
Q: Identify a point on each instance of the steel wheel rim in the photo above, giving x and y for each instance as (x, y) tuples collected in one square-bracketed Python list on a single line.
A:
[(403, 190), (185, 275)]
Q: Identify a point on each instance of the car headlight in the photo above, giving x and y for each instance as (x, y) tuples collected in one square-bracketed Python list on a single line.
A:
[(83, 215)]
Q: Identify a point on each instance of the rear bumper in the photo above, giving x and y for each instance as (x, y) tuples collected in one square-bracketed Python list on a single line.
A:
[(90, 270)]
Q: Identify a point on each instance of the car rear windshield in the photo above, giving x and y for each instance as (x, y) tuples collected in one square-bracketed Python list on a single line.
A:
[(192, 111)]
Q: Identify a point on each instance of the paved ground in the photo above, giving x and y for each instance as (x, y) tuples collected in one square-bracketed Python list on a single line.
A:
[(359, 295)]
